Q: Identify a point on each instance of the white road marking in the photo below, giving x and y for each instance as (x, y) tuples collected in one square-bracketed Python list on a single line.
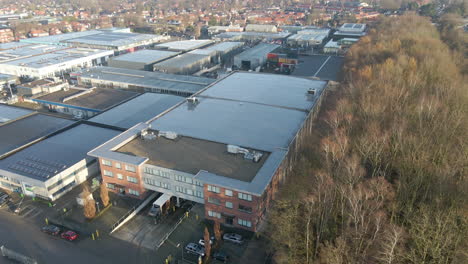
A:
[(325, 62)]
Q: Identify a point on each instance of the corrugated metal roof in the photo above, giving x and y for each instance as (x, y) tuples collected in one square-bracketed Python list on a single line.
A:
[(8, 113), (145, 56), (185, 45), (261, 50)]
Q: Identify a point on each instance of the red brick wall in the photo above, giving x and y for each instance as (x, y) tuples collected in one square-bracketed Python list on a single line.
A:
[(252, 217), (123, 182)]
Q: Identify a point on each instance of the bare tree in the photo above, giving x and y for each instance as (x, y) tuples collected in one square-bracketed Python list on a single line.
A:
[(207, 238), (89, 208), (104, 195)]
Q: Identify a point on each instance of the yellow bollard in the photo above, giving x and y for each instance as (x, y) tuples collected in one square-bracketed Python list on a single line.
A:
[(97, 233), (46, 221), (173, 208), (92, 236), (186, 214), (196, 216)]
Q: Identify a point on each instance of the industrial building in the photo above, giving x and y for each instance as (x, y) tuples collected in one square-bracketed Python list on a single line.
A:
[(261, 28), (8, 113), (6, 79), (350, 30), (142, 81), (141, 60), (41, 86), (309, 38), (82, 102), (187, 63), (116, 39), (54, 165), (43, 61), (139, 109), (251, 36), (185, 45), (225, 50), (229, 147), (254, 57)]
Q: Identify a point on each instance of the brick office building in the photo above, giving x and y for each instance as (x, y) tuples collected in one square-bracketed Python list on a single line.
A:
[(229, 147)]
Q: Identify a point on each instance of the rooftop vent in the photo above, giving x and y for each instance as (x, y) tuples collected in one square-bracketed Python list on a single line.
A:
[(311, 91), (248, 155), (168, 134), (193, 100), (145, 135)]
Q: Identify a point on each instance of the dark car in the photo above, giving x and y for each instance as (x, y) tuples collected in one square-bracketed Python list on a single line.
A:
[(4, 198), (221, 256), (69, 235), (51, 230)]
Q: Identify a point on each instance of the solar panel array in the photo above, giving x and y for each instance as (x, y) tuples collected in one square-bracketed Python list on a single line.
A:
[(37, 167)]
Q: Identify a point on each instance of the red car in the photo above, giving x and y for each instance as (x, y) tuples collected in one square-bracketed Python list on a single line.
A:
[(69, 235)]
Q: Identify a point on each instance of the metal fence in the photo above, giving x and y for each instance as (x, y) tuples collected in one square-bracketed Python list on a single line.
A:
[(123, 218), (173, 229)]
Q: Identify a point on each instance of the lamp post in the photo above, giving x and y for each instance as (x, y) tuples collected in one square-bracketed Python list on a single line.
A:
[(98, 209)]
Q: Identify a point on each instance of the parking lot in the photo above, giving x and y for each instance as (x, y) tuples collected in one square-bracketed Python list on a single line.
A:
[(324, 67)]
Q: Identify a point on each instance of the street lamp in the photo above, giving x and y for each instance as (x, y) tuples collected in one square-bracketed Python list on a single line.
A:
[(98, 209)]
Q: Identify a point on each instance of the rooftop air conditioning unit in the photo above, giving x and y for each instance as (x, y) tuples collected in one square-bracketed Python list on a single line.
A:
[(167, 134), (145, 135), (193, 100), (311, 91)]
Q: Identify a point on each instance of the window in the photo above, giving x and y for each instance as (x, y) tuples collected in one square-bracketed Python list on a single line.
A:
[(106, 163), (199, 183), (214, 200), (229, 205), (245, 209), (165, 185), (110, 186), (228, 192), (243, 222), (214, 189), (244, 196), (199, 194), (133, 192), (132, 179), (119, 176), (130, 168), (118, 166), (108, 173), (214, 214)]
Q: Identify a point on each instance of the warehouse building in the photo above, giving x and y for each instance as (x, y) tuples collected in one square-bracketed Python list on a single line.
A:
[(350, 30), (141, 60), (251, 36), (116, 39), (187, 63), (226, 50), (139, 109), (54, 165), (261, 28), (142, 81), (229, 148), (22, 127), (254, 57), (6, 80), (309, 38), (43, 61), (83, 103), (184, 45), (41, 86)]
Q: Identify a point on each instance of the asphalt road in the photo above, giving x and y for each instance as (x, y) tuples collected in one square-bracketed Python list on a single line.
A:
[(26, 238)]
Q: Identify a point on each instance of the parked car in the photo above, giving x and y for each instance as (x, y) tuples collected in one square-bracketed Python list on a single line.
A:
[(195, 249), (234, 238), (51, 230), (221, 256), (69, 235), (202, 241)]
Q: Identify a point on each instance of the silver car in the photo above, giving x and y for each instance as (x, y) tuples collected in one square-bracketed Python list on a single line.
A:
[(234, 238), (195, 249)]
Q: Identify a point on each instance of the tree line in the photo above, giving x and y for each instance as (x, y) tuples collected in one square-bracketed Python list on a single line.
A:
[(383, 179)]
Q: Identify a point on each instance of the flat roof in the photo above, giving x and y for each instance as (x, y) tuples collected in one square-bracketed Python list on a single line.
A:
[(185, 45), (12, 45), (115, 39), (157, 80), (53, 155), (92, 99), (267, 35), (261, 50), (181, 61), (20, 132), (7, 77), (55, 39), (23, 52), (188, 154), (9, 113), (145, 56), (139, 109), (225, 46), (55, 55)]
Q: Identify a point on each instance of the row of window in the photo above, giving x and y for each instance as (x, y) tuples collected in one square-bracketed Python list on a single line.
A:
[(189, 191), (230, 205), (156, 183), (167, 175), (227, 192), (118, 165), (120, 176), (73, 174), (214, 214), (130, 191), (243, 222)]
